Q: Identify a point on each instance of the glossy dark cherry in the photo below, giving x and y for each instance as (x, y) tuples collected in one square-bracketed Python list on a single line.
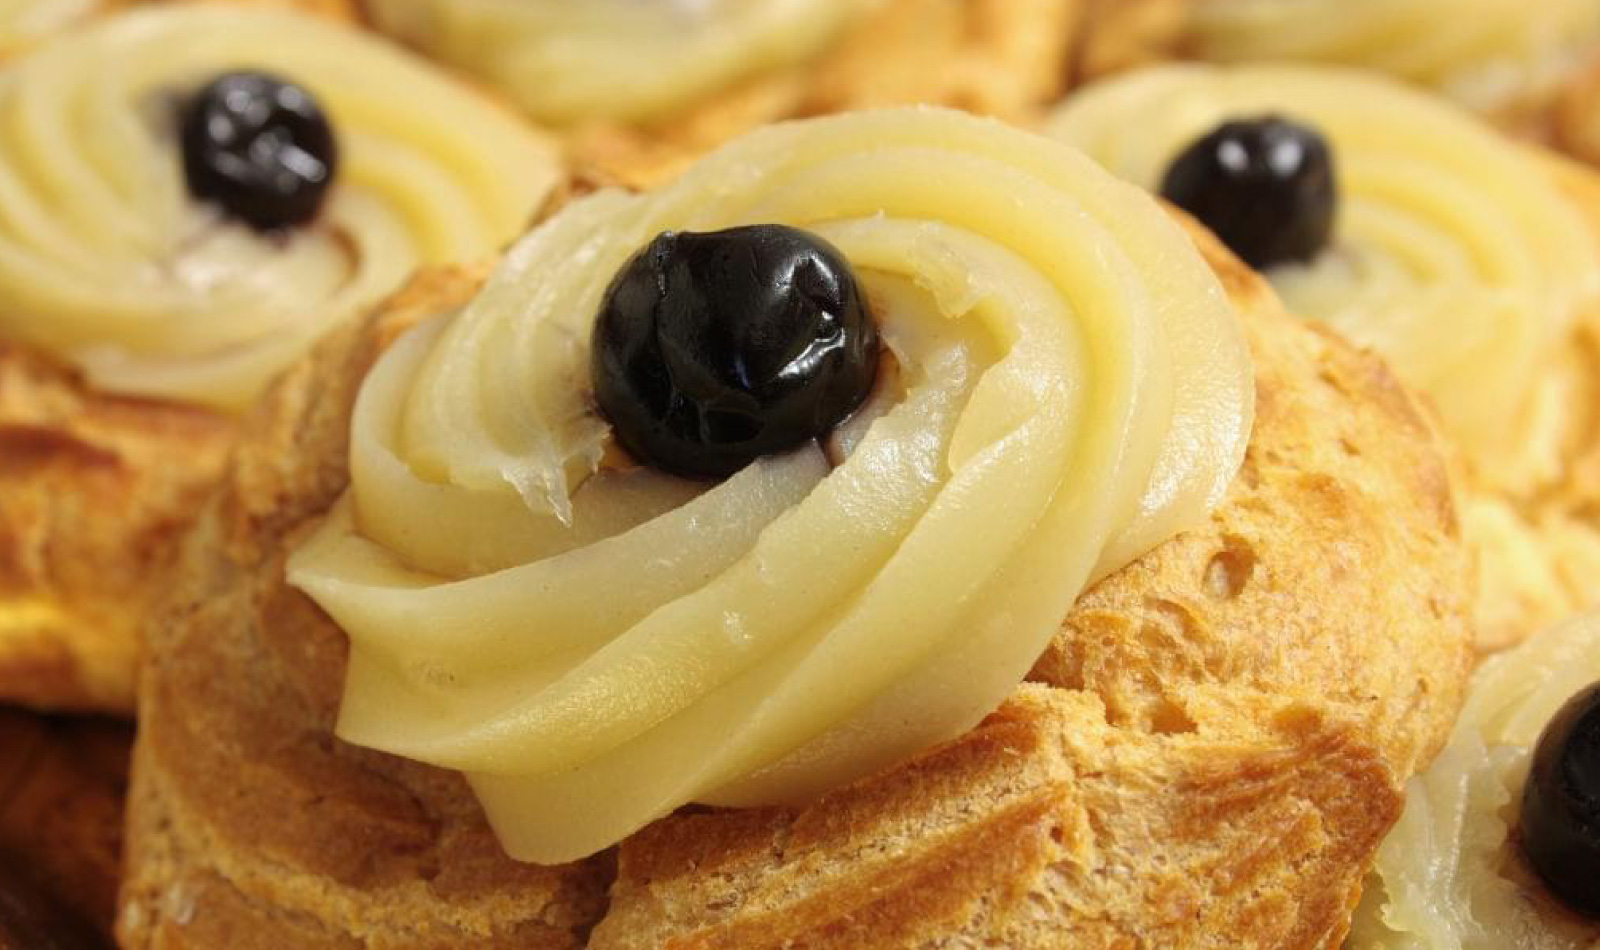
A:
[(260, 147), (1561, 804), (712, 350), (1265, 186)]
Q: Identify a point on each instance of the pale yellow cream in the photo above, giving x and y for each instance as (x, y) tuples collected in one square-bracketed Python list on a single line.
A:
[(1448, 876), (595, 648), (25, 22), (107, 262), (633, 60), (1455, 253), (1490, 54)]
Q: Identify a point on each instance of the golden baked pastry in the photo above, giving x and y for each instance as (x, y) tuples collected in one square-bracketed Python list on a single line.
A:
[(1577, 119), (1266, 678), (1453, 872), (1497, 56), (138, 320), (1470, 261)]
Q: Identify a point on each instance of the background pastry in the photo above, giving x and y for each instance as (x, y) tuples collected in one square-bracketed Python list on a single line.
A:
[(158, 273), (1399, 220), (646, 87), (1455, 871), (1496, 56), (62, 785), (1201, 667)]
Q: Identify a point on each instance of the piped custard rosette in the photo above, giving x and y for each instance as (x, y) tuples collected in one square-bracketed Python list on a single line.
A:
[(112, 264), (1451, 250), (596, 643), (1493, 55), (1467, 866), (566, 62)]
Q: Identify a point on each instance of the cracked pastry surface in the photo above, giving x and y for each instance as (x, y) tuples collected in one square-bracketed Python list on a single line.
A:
[(1280, 668), (137, 319), (1452, 873), (1470, 261)]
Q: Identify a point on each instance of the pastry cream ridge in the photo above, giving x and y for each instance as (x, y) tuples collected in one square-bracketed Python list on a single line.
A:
[(632, 60), (107, 262), (1449, 876), (1455, 254), (1490, 54), (1072, 389), (25, 22)]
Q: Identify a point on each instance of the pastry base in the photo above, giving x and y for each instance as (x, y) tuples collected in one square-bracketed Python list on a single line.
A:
[(94, 491)]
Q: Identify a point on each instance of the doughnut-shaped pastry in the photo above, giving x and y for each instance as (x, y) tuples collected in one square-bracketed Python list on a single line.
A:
[(1071, 389), (1490, 54), (621, 59), (1453, 872), (1454, 252), (108, 263)]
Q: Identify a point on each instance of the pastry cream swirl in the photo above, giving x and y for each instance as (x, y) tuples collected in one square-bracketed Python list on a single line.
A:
[(1490, 54), (595, 647), (1455, 254), (1449, 877), (633, 60), (106, 261)]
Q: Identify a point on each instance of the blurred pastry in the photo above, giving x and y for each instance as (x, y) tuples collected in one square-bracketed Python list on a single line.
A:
[(24, 23), (62, 784), (644, 88), (762, 491), (1408, 225), (189, 197), (1577, 121), (1503, 57), (1499, 845)]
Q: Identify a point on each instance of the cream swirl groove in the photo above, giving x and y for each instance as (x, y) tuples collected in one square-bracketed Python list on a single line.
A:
[(1490, 54), (1455, 253), (107, 262), (1072, 389), (1449, 875), (617, 59)]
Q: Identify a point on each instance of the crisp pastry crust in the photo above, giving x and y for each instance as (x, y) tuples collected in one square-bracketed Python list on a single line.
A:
[(62, 784), (93, 491), (1230, 717)]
